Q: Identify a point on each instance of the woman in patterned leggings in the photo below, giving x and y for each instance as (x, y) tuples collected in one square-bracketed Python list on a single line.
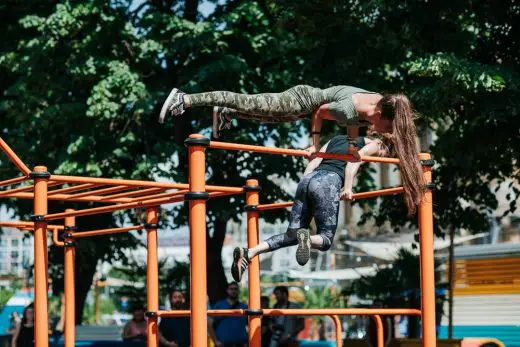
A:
[(390, 114), (317, 196)]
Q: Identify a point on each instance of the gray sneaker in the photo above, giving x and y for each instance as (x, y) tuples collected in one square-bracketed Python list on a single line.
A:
[(303, 252), (174, 104), (220, 120)]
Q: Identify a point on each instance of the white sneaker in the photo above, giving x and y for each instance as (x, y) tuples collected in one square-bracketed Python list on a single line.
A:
[(220, 121), (174, 104)]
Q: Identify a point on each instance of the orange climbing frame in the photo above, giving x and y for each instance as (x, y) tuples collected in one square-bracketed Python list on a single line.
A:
[(120, 194)]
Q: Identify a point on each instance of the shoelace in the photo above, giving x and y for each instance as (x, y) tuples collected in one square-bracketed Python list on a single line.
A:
[(224, 123), (245, 261), (177, 107)]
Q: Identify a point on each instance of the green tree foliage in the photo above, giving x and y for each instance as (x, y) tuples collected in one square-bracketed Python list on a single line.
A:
[(170, 277), (86, 81), (457, 60), (82, 83)]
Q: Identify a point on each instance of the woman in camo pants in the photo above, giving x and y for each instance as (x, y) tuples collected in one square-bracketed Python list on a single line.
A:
[(390, 114), (344, 104)]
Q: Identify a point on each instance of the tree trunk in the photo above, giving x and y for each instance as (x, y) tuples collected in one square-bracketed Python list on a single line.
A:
[(217, 282), (413, 321), (191, 10)]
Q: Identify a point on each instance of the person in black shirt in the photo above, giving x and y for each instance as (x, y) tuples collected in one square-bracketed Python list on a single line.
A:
[(24, 334), (175, 331), (317, 196)]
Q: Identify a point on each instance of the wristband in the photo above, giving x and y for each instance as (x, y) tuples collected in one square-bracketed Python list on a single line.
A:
[(316, 133)]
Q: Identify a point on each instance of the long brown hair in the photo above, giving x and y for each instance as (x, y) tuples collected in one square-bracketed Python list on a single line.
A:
[(397, 108)]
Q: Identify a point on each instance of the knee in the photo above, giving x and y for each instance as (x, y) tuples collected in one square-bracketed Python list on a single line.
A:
[(325, 246), (327, 236)]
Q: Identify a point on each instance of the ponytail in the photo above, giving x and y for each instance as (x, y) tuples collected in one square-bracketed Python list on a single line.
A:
[(397, 107)]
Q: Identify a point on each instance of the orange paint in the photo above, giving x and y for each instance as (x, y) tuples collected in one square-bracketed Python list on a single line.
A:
[(41, 321), (14, 158), (427, 262), (152, 278), (255, 329), (296, 152), (69, 278), (197, 221)]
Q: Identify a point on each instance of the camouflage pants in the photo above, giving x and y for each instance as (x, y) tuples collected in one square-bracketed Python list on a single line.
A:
[(318, 196), (296, 103)]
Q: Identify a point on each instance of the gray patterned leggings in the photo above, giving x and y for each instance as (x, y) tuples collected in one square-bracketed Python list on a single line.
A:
[(293, 104), (318, 196)]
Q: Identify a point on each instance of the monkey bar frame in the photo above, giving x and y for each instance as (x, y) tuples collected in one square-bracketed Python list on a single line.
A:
[(121, 194)]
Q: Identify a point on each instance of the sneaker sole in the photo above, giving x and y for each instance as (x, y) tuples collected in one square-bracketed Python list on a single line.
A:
[(303, 253), (235, 267), (166, 104)]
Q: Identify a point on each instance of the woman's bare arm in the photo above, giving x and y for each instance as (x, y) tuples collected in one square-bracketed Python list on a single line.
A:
[(314, 163), (371, 148), (15, 335), (316, 123)]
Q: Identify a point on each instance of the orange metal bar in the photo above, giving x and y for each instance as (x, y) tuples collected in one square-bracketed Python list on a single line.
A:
[(152, 277), (24, 189), (255, 328), (61, 197), (341, 311), (28, 225), (379, 330), (139, 204), (274, 206), (296, 152), (41, 322), (13, 181), (197, 221), (73, 188), (302, 312), (134, 193), (337, 324), (83, 234), (55, 238), (112, 208), (388, 191), (427, 262), (14, 158), (161, 195), (99, 192), (138, 183), (375, 193), (69, 278)]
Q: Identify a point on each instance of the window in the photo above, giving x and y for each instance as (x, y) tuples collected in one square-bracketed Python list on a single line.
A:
[(14, 255), (14, 242)]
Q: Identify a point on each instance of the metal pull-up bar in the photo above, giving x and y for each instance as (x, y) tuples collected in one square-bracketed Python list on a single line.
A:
[(364, 195), (297, 152), (14, 158)]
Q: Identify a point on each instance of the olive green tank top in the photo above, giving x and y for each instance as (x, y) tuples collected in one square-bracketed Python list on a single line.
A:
[(341, 105)]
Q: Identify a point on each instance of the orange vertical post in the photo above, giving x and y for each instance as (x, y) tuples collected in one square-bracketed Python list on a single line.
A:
[(197, 197), (380, 331), (339, 330), (427, 262), (70, 270), (41, 322), (252, 199), (152, 276)]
